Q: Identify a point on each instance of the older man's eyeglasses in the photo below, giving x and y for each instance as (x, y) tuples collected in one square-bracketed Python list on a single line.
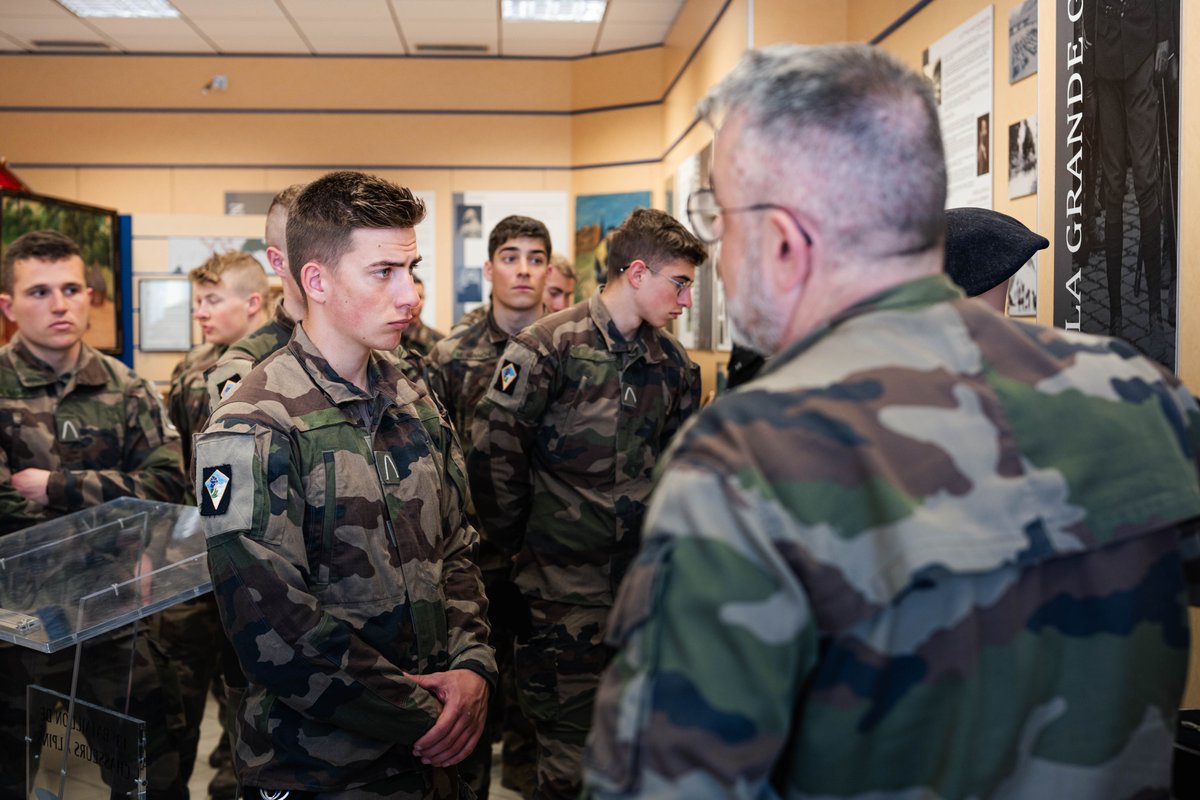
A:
[(707, 215)]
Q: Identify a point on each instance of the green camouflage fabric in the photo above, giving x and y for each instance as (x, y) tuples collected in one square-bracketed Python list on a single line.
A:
[(564, 443), (187, 397), (928, 553), (471, 317), (420, 339), (245, 354), (339, 553), (188, 630), (461, 367), (101, 430)]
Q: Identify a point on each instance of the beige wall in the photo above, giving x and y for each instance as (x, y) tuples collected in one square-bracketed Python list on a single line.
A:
[(586, 120)]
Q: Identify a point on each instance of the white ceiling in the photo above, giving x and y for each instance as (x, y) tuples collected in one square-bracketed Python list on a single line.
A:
[(333, 27)]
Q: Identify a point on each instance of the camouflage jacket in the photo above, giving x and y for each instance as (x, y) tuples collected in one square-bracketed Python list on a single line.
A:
[(904, 563), (421, 340), (187, 399), (460, 369), (471, 317), (339, 555), (100, 430), (565, 443), (243, 355)]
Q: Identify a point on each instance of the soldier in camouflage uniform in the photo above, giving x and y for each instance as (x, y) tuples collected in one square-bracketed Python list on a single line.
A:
[(460, 369), (77, 429), (221, 380), (560, 284), (902, 562), (332, 497), (228, 291), (244, 354), (419, 337), (564, 443)]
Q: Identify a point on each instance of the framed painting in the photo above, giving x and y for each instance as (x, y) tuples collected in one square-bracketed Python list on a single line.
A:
[(95, 230)]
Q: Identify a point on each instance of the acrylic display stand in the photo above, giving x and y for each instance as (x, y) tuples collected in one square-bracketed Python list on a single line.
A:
[(73, 592)]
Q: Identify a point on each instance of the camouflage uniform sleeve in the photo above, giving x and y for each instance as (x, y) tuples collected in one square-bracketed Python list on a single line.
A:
[(284, 639), (223, 378), (466, 602), (15, 511), (504, 431), (689, 401), (437, 374), (715, 639), (151, 464), (187, 408)]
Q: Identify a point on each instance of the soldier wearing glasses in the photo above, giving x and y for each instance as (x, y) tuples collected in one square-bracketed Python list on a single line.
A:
[(901, 562), (582, 404)]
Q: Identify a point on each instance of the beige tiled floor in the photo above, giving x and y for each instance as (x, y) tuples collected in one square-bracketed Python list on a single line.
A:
[(86, 785)]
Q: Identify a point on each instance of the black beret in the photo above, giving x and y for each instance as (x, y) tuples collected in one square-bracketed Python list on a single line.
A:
[(984, 248)]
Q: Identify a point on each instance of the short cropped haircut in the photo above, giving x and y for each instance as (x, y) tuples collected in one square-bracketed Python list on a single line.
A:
[(563, 266), (40, 245), (286, 198), (845, 132), (235, 270), (328, 211), (652, 236), (515, 227)]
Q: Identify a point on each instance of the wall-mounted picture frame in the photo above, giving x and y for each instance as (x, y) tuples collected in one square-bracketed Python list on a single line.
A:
[(95, 230), (164, 315)]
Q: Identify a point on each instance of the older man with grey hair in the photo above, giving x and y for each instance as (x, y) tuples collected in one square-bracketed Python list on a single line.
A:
[(900, 563)]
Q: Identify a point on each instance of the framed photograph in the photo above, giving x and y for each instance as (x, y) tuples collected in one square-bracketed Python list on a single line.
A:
[(1022, 158), (1022, 41), (164, 315), (95, 230)]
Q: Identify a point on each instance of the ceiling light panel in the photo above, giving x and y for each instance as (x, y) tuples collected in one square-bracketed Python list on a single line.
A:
[(121, 9), (553, 10)]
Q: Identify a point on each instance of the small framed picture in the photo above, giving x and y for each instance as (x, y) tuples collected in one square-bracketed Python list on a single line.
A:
[(164, 315)]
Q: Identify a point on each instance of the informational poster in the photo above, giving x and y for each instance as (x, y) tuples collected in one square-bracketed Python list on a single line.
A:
[(693, 328), (959, 66), (1116, 171), (164, 314), (475, 214)]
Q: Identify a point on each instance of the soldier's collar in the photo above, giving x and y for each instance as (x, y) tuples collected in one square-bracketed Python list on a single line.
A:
[(646, 339), (32, 371), (496, 335), (911, 295), (383, 375)]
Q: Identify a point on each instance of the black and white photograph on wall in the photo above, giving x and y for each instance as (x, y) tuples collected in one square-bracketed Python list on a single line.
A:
[(1022, 290), (1022, 41), (982, 145), (1117, 168), (1022, 158)]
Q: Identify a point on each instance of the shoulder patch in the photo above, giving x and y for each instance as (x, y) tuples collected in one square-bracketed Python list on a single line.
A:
[(216, 482), (228, 386), (510, 382), (506, 377), (225, 482)]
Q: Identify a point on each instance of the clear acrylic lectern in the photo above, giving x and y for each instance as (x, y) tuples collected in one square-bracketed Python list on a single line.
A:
[(72, 594)]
